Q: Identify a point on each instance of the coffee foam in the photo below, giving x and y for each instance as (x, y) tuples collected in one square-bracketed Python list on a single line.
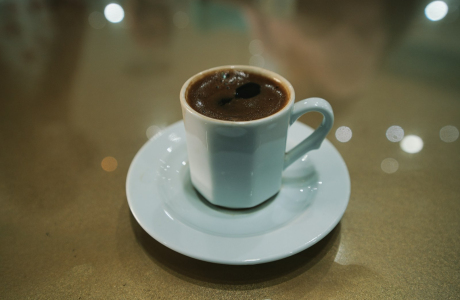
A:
[(232, 95)]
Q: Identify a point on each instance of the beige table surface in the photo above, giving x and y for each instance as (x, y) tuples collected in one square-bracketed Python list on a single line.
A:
[(79, 96)]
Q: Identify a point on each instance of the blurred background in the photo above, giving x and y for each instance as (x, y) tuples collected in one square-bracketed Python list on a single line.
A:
[(84, 84)]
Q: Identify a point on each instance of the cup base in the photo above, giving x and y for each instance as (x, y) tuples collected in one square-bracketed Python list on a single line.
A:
[(249, 209)]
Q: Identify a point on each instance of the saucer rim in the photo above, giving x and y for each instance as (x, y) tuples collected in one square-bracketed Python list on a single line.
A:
[(178, 126)]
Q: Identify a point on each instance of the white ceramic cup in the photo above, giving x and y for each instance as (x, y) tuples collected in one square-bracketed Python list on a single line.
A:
[(239, 164)]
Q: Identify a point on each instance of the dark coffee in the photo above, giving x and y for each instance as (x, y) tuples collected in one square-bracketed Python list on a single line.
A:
[(236, 95)]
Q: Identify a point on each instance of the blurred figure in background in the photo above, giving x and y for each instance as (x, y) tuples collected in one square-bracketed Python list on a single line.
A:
[(40, 45), (328, 48)]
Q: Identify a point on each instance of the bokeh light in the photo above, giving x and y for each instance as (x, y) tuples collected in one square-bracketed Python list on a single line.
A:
[(395, 134), (449, 134), (389, 165), (256, 47), (114, 13), (153, 131), (411, 144), (109, 164), (436, 10), (343, 134)]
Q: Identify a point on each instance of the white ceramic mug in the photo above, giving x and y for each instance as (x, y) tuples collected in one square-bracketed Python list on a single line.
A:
[(239, 164)]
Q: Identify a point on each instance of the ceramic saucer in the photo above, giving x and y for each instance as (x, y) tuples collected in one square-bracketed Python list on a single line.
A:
[(311, 202)]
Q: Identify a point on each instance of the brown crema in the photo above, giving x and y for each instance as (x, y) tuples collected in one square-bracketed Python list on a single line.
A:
[(236, 95)]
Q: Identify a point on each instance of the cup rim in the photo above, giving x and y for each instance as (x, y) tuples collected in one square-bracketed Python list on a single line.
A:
[(257, 70)]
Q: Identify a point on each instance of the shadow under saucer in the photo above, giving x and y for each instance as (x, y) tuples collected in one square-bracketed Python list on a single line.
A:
[(238, 277)]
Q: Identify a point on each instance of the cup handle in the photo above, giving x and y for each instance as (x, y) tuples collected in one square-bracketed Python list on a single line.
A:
[(314, 140)]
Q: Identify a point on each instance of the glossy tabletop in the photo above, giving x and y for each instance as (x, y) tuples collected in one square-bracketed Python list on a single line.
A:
[(84, 84)]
